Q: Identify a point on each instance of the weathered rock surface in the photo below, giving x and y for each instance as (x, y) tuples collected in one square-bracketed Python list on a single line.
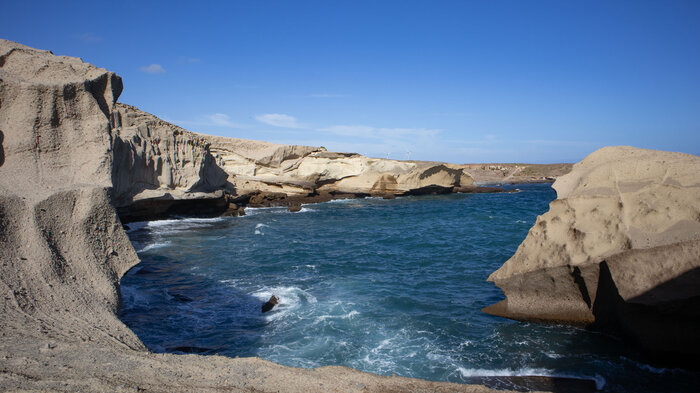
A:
[(618, 250), (154, 158), (161, 170), (63, 249), (516, 173)]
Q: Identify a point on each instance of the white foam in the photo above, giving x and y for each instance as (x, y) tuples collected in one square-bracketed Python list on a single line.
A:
[(553, 355), (341, 200), (135, 226), (349, 315), (143, 248), (290, 299), (647, 367), (528, 372), (184, 221), (258, 229)]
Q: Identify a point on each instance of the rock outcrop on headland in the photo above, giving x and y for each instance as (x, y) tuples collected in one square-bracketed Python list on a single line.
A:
[(63, 249), (155, 156), (161, 169), (619, 250)]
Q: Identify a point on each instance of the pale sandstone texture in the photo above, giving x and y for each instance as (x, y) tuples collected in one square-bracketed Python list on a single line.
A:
[(63, 249), (156, 157), (161, 169), (619, 249)]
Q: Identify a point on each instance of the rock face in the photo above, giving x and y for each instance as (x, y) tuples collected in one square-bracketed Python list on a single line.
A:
[(619, 250), (63, 249), (153, 158), (161, 169)]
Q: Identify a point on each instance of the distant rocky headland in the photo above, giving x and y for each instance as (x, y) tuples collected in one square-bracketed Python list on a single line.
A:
[(619, 249)]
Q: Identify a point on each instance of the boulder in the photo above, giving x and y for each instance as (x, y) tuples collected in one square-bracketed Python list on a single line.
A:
[(618, 250)]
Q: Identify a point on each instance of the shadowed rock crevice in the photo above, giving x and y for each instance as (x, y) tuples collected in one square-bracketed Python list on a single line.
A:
[(2, 150), (581, 283)]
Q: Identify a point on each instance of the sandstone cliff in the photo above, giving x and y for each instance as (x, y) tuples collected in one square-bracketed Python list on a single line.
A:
[(619, 249), (160, 168), (63, 250)]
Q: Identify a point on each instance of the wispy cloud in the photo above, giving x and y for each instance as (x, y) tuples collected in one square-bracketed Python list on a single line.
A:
[(208, 120), (279, 120), (361, 131), (153, 69), (221, 120), (89, 38)]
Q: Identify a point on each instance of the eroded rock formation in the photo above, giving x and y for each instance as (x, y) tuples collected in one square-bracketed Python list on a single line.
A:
[(618, 250), (63, 250), (161, 169)]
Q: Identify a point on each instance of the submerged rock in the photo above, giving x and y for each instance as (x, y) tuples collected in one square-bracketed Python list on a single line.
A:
[(619, 250), (294, 207)]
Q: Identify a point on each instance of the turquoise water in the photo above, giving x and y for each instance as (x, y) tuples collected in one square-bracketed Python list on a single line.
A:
[(386, 286)]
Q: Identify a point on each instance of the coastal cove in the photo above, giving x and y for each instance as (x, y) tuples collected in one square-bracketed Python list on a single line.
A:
[(384, 286), (409, 279)]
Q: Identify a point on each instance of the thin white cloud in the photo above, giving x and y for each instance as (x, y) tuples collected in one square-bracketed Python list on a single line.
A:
[(89, 38), (279, 120), (153, 69), (208, 120), (360, 131), (221, 120)]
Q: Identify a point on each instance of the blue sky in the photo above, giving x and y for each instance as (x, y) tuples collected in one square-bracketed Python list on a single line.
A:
[(458, 81)]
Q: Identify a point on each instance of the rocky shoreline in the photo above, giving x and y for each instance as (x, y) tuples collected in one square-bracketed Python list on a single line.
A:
[(75, 165), (69, 163)]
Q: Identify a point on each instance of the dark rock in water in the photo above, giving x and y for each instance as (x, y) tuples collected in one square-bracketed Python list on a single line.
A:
[(241, 211), (264, 199), (270, 304), (125, 227), (190, 349), (294, 207), (429, 190)]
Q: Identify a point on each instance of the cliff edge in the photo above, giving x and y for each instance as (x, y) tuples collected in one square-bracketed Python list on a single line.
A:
[(618, 250)]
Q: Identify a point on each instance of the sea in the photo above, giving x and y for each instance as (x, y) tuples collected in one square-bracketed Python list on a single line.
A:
[(384, 286)]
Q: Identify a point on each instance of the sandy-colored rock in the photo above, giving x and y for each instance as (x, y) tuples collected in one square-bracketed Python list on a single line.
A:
[(153, 158), (515, 173), (158, 161), (63, 251), (618, 249)]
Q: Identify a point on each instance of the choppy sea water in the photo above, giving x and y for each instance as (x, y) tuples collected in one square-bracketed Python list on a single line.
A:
[(385, 286)]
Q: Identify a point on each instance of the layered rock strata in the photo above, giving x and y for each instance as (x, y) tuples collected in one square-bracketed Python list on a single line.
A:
[(63, 250), (618, 250), (161, 169)]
